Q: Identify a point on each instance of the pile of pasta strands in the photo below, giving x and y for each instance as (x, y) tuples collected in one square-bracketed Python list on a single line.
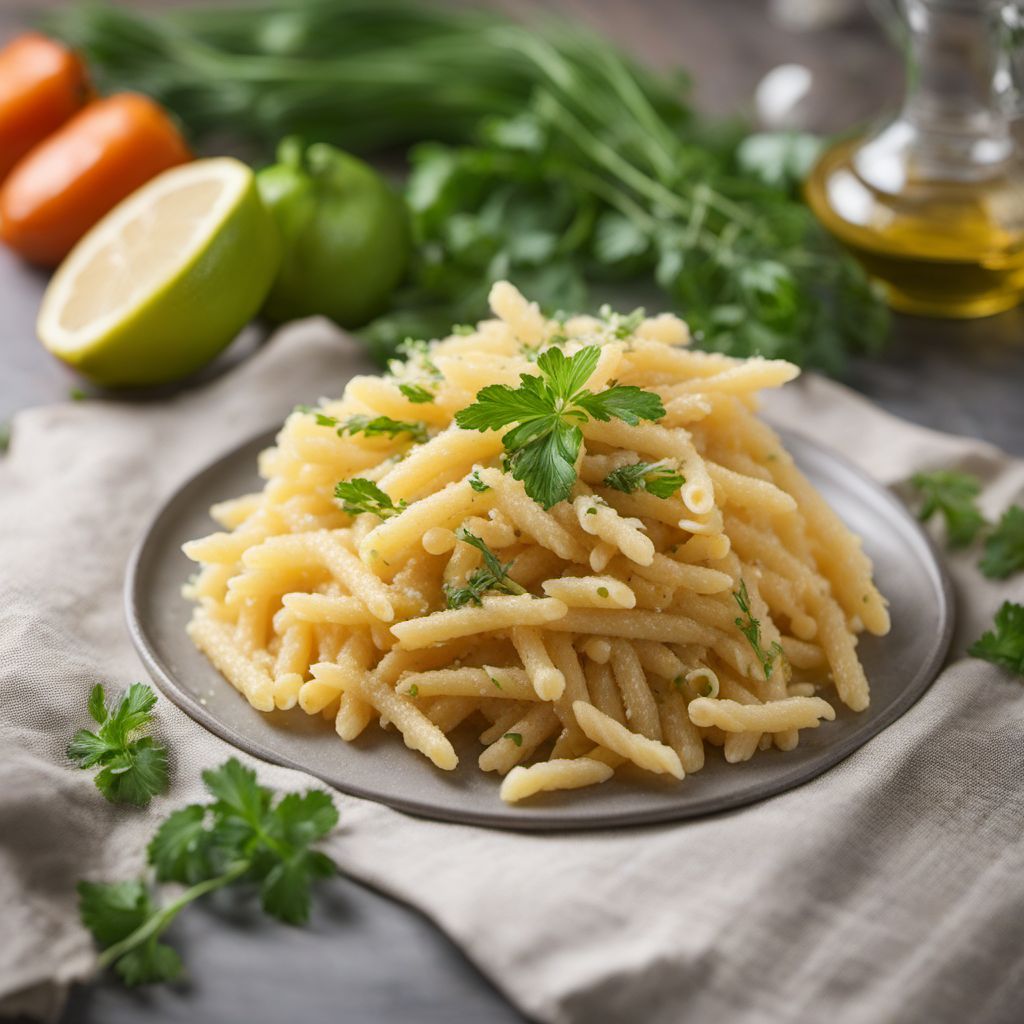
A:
[(638, 629)]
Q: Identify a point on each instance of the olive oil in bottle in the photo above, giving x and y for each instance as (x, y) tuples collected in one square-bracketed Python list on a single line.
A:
[(933, 202)]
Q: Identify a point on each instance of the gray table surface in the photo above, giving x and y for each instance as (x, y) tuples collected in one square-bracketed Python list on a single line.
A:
[(363, 956)]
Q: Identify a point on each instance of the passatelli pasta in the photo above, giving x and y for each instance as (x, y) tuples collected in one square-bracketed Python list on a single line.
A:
[(685, 587)]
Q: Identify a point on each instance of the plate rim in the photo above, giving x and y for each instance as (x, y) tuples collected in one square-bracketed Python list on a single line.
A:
[(533, 820)]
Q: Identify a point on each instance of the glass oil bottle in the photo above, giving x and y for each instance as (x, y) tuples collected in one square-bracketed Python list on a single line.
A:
[(932, 203)]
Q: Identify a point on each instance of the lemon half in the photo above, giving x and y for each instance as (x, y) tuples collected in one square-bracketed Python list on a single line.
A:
[(166, 280)]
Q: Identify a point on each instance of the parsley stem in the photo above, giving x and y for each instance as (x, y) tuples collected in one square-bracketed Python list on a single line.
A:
[(161, 920)]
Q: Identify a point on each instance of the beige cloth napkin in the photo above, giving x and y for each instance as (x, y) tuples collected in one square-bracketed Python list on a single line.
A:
[(890, 889)]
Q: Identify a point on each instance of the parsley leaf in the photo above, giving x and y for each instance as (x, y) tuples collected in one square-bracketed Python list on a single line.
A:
[(952, 495), (751, 629), (374, 426), (515, 737), (656, 477), (1004, 546), (360, 495), (133, 768), (182, 849), (242, 836), (492, 576), (1005, 644), (476, 483), (542, 449), (113, 913), (416, 393)]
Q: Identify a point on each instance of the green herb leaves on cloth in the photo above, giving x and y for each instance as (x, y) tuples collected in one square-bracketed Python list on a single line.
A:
[(132, 768), (952, 495), (1004, 645), (1004, 546), (244, 835)]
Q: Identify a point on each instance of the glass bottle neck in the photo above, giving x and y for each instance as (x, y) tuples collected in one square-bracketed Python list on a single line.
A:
[(952, 107)]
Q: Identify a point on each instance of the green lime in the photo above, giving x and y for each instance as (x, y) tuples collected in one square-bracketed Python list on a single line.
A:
[(166, 280)]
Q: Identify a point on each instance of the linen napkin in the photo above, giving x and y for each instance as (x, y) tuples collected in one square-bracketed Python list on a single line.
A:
[(889, 889)]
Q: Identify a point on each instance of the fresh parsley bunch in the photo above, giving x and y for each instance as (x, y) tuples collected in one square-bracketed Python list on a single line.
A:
[(549, 408), (592, 182), (243, 836), (132, 767)]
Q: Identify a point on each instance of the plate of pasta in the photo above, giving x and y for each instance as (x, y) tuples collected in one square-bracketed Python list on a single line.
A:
[(542, 574)]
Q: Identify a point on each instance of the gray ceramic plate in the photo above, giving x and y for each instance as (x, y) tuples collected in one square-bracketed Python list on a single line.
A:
[(379, 767)]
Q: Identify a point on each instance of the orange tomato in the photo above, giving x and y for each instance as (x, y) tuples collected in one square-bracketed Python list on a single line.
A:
[(82, 171), (42, 83)]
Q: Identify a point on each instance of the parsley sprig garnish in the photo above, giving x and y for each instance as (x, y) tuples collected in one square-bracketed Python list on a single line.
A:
[(492, 576), (659, 478), (542, 449), (951, 494), (360, 495), (751, 629), (1004, 546), (243, 836), (132, 767), (1005, 644)]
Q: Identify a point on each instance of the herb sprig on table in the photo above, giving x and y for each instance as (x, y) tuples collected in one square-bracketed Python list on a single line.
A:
[(952, 495), (548, 409), (132, 767), (244, 836), (1004, 546), (1004, 644)]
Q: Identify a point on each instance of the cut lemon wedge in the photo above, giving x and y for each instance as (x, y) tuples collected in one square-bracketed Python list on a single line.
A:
[(166, 280)]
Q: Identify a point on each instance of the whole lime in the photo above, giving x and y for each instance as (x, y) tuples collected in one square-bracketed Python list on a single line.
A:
[(345, 234)]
